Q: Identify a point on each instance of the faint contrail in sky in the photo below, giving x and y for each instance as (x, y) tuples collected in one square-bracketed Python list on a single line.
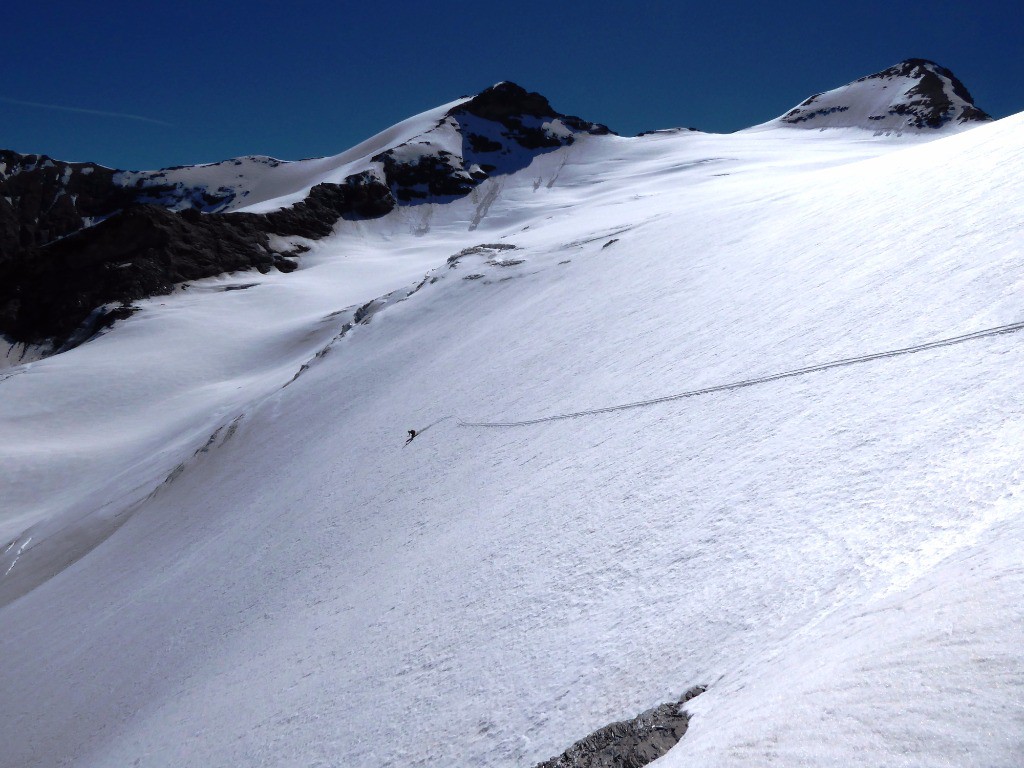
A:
[(82, 111)]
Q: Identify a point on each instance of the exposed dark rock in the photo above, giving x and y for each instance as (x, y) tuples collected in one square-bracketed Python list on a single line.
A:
[(479, 143), (503, 129), (630, 743), (430, 176), (49, 292), (520, 116), (506, 100), (361, 196), (42, 199), (802, 117), (931, 105), (924, 70), (484, 248), (667, 131)]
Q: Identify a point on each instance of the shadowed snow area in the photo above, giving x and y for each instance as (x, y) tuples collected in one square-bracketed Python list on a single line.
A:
[(211, 560)]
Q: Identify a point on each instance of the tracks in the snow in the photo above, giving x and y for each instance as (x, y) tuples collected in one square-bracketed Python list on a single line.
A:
[(998, 330)]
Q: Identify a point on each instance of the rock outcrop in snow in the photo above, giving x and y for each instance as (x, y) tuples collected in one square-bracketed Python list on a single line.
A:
[(915, 94), (499, 131), (67, 290), (42, 199), (630, 743)]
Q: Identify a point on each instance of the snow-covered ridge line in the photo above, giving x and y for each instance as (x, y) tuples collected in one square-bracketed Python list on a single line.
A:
[(915, 94)]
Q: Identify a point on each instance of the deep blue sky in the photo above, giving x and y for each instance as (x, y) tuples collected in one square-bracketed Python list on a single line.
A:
[(292, 80)]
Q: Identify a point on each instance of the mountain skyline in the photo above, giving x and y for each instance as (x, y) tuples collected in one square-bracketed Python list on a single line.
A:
[(293, 85), (63, 226)]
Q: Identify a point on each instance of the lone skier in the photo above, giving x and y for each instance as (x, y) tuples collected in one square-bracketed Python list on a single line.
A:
[(412, 436)]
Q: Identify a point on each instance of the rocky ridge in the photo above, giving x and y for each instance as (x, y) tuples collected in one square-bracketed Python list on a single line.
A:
[(80, 242), (42, 199)]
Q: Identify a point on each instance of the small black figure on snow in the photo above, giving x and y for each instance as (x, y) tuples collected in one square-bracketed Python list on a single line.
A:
[(412, 436)]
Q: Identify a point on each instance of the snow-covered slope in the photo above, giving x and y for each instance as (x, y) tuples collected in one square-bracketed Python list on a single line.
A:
[(221, 553), (913, 95)]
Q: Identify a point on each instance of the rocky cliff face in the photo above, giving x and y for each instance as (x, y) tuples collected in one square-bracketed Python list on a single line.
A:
[(42, 199), (70, 288)]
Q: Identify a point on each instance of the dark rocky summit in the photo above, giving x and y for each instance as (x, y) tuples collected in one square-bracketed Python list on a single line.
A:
[(502, 129), (933, 101), (919, 95), (521, 115), (630, 743)]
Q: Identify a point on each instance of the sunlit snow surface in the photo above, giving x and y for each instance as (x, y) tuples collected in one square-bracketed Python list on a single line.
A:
[(277, 581)]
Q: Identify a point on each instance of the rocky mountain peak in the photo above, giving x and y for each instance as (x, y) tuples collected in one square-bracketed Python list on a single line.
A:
[(498, 131), (504, 99), (922, 70), (916, 94)]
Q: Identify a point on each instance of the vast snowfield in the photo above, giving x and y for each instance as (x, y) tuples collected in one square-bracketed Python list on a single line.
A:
[(210, 562)]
